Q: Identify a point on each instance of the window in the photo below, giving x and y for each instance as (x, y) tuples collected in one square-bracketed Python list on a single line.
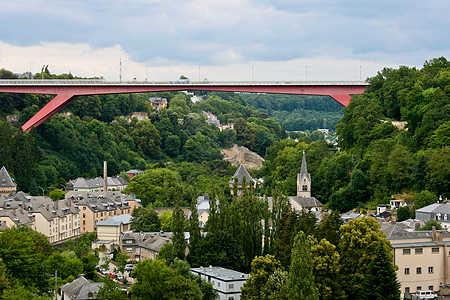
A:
[(430, 287), (230, 298), (231, 286), (406, 251), (407, 271), (419, 288), (305, 188), (218, 283), (129, 250), (430, 270), (419, 250), (407, 289), (418, 270), (434, 250)]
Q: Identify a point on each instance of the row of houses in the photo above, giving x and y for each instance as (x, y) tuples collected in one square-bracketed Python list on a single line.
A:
[(60, 220)]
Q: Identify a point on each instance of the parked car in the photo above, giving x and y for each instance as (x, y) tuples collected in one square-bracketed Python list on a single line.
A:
[(106, 272), (129, 267), (113, 275), (426, 295), (119, 277)]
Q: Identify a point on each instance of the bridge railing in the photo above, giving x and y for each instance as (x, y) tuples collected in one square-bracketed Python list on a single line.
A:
[(53, 82)]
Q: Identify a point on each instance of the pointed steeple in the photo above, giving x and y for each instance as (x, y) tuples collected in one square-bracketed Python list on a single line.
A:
[(304, 179), (304, 168), (7, 184)]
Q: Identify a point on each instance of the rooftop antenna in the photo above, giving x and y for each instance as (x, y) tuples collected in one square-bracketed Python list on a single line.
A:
[(120, 74)]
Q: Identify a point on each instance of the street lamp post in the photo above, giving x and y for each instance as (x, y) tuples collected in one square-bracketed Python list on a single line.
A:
[(43, 190)]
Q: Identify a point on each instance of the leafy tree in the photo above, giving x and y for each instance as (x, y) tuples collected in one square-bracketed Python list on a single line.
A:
[(262, 268), (147, 138), (329, 227), (178, 240), (111, 290), (403, 213), (358, 244), (166, 220), (424, 198), (145, 219), (219, 249), (158, 186), (381, 281), (326, 267), (57, 194), (301, 280), (23, 258), (193, 226), (167, 253), (276, 286), (67, 265), (154, 280), (429, 225)]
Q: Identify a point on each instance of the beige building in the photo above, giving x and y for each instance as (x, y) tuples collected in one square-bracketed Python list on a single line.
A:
[(144, 245), (422, 257), (110, 230), (158, 103), (99, 206), (57, 220)]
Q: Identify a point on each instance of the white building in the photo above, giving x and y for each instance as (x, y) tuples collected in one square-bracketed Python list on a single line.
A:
[(226, 282)]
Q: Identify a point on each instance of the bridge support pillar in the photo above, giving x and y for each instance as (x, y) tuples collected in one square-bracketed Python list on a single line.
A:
[(56, 104)]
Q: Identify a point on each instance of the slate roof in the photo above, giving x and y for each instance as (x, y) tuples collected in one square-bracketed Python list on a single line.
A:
[(5, 179), (400, 231), (306, 202), (116, 220), (18, 216), (433, 207), (101, 201), (80, 288), (239, 174), (147, 240), (304, 169), (97, 182), (221, 273)]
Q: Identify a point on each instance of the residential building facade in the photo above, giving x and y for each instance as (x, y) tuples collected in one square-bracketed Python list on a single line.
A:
[(110, 230), (99, 206), (422, 257), (226, 282), (143, 245)]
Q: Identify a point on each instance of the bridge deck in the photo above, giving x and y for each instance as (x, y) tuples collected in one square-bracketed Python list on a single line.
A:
[(68, 90)]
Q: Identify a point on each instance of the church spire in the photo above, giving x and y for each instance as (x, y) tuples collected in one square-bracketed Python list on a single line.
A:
[(304, 179)]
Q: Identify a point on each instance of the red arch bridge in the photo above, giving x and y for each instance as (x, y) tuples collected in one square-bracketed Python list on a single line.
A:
[(67, 90)]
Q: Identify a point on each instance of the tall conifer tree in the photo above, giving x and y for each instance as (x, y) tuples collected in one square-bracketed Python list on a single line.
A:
[(380, 282), (301, 279)]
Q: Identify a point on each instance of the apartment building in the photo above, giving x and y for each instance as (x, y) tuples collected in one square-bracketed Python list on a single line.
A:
[(99, 206), (422, 257), (226, 282)]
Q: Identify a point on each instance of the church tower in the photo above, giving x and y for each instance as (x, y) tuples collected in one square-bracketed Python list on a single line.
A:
[(304, 180)]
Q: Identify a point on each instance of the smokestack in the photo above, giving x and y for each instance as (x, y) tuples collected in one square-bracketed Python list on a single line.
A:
[(105, 176)]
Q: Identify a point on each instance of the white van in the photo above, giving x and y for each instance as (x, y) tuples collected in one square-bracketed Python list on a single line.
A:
[(426, 295)]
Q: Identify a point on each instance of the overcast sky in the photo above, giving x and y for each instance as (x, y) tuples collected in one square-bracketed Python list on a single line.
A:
[(222, 39)]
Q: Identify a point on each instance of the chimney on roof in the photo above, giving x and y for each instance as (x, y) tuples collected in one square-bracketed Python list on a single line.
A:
[(105, 176)]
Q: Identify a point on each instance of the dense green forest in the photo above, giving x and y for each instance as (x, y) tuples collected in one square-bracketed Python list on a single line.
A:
[(298, 112), (375, 158), (180, 153)]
